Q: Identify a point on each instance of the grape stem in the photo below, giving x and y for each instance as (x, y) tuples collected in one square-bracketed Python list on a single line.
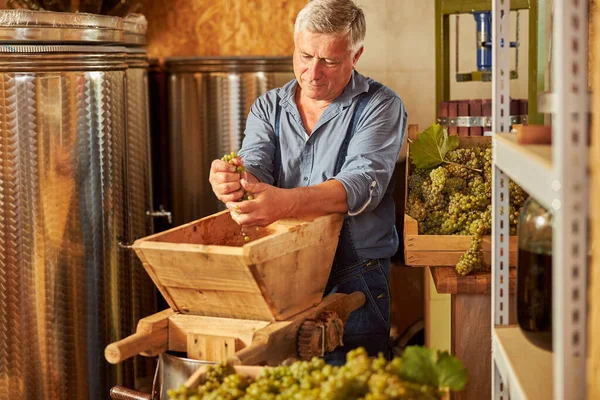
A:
[(461, 165)]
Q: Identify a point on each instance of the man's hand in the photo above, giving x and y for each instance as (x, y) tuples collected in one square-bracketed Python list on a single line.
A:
[(225, 180), (268, 204)]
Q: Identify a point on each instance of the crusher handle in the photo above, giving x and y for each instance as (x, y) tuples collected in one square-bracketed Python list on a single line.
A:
[(123, 393), (255, 354), (128, 347), (354, 301)]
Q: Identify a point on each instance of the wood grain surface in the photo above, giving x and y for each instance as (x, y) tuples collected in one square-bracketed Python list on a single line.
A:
[(448, 281), (179, 28), (472, 341)]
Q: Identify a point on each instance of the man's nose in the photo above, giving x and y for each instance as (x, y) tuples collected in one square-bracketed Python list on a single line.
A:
[(314, 69)]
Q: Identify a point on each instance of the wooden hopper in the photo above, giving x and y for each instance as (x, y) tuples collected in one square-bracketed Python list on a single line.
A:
[(207, 268)]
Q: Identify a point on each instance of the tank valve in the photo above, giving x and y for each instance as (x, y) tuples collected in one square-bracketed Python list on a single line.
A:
[(161, 213)]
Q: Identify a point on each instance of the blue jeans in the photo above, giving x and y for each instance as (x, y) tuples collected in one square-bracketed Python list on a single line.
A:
[(368, 326)]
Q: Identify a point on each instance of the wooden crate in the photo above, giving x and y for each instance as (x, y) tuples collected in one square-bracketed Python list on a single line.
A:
[(443, 250), (206, 268)]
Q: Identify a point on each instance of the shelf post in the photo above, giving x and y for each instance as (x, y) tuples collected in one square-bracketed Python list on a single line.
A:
[(500, 199), (570, 132)]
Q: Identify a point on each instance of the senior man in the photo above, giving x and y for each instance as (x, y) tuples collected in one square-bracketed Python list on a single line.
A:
[(327, 142)]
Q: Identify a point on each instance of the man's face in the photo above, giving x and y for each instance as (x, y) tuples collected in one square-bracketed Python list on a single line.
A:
[(323, 64)]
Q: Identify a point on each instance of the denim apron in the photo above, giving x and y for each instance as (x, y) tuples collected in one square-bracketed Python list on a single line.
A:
[(368, 326)]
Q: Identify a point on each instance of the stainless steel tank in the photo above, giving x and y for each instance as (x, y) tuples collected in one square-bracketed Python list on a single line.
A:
[(139, 180), (209, 101), (65, 291), (171, 372)]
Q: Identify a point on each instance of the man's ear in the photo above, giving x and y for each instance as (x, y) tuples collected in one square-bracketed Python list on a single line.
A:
[(357, 56)]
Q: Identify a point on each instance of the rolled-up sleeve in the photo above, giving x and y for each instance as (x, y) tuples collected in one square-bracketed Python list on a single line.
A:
[(258, 146), (373, 152)]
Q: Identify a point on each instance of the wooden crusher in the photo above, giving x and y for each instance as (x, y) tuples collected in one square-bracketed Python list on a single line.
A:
[(256, 302)]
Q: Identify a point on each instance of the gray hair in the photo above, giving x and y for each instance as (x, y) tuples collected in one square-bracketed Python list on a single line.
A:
[(333, 17)]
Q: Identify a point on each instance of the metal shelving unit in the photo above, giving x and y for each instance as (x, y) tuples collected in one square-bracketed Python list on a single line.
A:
[(557, 177)]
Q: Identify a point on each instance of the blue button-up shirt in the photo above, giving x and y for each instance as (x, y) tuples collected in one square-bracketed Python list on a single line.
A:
[(311, 159)]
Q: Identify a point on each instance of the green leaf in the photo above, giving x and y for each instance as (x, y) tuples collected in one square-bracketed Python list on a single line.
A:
[(452, 374), (430, 147), (431, 367), (418, 365)]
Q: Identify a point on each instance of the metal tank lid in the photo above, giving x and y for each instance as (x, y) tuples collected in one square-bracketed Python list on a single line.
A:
[(230, 64), (135, 27), (21, 26)]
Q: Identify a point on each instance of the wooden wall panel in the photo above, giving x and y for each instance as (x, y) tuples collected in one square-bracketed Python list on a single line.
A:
[(220, 27)]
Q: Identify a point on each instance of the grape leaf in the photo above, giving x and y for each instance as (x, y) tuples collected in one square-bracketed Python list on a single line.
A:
[(432, 367), (430, 147), (418, 365), (451, 372)]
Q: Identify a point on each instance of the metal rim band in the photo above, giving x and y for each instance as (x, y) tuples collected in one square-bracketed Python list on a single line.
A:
[(484, 122)]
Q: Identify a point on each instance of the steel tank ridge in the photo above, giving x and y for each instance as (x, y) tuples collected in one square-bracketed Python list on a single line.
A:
[(66, 287), (229, 64), (21, 26)]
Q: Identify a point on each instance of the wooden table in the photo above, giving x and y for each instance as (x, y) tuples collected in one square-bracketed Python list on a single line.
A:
[(471, 324)]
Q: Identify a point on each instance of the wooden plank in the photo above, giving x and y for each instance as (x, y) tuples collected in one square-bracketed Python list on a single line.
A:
[(530, 368), (181, 324), (448, 258), (312, 231), (163, 291), (216, 226), (293, 287), (452, 112), (463, 111), (449, 242), (411, 228), (221, 303), (200, 280), (443, 109), (211, 348), (157, 326), (486, 108), (191, 267), (470, 334), (448, 281), (471, 341), (292, 269), (476, 111)]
